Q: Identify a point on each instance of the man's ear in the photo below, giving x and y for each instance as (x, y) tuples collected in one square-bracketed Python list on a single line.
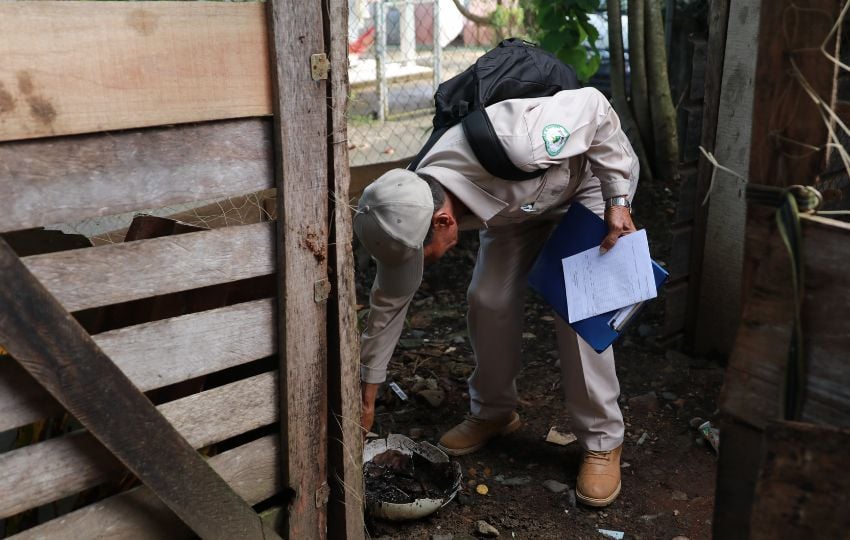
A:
[(443, 219)]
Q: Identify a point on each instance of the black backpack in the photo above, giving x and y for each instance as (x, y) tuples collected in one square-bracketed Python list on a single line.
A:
[(514, 69)]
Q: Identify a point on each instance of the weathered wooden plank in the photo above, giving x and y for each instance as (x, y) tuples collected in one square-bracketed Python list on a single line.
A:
[(724, 237), (675, 300), (680, 248), (717, 21), (737, 471), (803, 480), (71, 178), (699, 68), (763, 108), (115, 273), (753, 387), (22, 399), (751, 390), (79, 67), (363, 175), (48, 471), (785, 117), (691, 131), (345, 509), (687, 205), (251, 470), (301, 152), (157, 354), (826, 328), (47, 341)]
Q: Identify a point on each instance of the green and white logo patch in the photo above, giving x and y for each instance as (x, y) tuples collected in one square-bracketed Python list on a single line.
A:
[(555, 137)]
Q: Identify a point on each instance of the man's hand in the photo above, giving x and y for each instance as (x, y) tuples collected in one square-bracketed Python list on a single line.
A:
[(369, 391), (619, 220)]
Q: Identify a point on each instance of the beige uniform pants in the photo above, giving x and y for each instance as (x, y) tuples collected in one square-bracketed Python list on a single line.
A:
[(496, 296)]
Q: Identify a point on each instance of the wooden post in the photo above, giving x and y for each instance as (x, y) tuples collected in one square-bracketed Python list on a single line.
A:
[(737, 472), (766, 129), (47, 341), (802, 484), (724, 237), (718, 19), (296, 33), (345, 513)]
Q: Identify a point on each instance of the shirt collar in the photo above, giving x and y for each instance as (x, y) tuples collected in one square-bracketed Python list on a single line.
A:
[(484, 205)]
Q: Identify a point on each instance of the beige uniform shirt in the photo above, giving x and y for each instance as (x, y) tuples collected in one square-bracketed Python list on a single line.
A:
[(569, 137)]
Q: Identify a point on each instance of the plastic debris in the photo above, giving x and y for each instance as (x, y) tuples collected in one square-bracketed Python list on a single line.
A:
[(482, 489), (643, 438), (398, 391), (711, 434), (562, 439), (618, 535)]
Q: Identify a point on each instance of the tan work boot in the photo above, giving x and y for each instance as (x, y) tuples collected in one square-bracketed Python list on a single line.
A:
[(599, 477), (473, 433)]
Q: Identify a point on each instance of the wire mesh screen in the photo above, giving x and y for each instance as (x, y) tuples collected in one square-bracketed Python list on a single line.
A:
[(399, 51)]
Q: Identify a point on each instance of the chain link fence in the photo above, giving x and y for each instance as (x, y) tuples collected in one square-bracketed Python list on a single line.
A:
[(399, 51)]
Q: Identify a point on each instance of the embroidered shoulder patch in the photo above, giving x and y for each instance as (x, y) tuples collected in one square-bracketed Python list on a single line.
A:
[(555, 137)]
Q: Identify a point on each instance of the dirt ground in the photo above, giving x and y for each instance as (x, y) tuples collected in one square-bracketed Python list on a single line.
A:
[(668, 469)]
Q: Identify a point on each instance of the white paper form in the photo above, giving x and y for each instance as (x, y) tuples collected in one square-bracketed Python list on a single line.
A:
[(601, 283)]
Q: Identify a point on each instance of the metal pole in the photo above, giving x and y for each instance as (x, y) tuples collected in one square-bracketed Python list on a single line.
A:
[(381, 58), (438, 67), (407, 32)]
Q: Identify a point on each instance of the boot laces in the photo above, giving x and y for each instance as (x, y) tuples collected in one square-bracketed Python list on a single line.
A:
[(596, 455), (472, 419)]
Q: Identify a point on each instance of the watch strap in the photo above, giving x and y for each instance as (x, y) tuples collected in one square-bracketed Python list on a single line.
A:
[(617, 201)]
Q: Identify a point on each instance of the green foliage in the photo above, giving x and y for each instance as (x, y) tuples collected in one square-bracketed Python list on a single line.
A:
[(508, 21), (563, 27), (504, 16)]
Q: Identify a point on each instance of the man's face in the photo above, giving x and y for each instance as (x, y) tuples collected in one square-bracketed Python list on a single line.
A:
[(440, 244)]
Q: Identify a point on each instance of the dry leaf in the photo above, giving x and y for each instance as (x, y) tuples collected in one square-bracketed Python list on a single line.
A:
[(562, 439)]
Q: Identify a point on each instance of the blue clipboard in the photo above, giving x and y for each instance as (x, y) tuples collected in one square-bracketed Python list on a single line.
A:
[(579, 230)]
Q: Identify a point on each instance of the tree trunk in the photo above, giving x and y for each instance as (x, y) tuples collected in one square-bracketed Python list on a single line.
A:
[(637, 61), (477, 19), (661, 103), (618, 87)]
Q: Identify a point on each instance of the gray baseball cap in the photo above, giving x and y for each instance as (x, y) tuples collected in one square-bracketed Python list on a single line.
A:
[(392, 220)]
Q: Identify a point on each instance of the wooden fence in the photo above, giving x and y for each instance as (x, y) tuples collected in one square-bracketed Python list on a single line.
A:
[(110, 107), (785, 403)]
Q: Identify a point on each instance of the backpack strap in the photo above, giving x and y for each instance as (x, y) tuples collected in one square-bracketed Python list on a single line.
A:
[(488, 149), (432, 140)]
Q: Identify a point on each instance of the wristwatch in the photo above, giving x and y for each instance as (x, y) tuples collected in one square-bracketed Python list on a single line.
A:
[(618, 201)]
